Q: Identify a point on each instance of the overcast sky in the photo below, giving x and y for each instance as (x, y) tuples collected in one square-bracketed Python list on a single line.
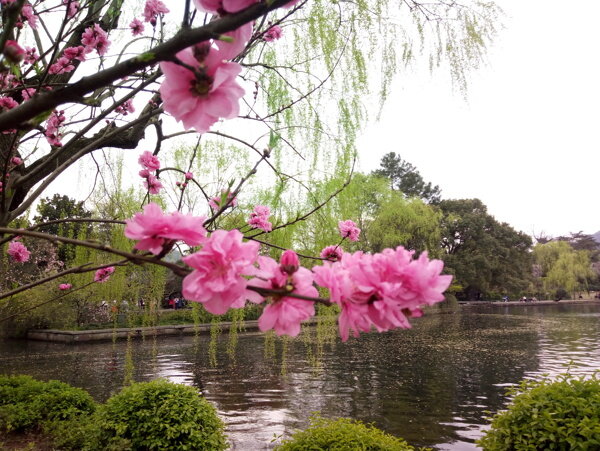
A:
[(526, 142)]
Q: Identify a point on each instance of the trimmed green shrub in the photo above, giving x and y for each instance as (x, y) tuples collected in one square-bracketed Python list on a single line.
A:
[(562, 415), (160, 415), (27, 403), (342, 434)]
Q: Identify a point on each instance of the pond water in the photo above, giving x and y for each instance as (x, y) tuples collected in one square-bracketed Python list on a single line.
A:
[(430, 385)]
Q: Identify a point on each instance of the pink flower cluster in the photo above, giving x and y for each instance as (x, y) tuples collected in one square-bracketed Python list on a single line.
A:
[(152, 9), (217, 280), (73, 7), (259, 218), (18, 252), (149, 163), (27, 15), (103, 274), (349, 230), (95, 38), (381, 290), (64, 64), (285, 313), (273, 33), (332, 253), (53, 124), (65, 286), (125, 108), (154, 229)]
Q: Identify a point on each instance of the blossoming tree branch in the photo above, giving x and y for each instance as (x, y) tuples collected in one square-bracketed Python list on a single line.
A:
[(77, 78)]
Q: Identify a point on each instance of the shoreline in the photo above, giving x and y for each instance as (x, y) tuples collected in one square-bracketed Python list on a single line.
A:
[(103, 335)]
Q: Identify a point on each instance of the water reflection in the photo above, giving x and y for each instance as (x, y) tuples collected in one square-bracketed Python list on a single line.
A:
[(430, 385)]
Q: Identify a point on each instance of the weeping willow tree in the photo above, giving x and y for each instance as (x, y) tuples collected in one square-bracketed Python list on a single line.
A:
[(293, 146), (313, 92)]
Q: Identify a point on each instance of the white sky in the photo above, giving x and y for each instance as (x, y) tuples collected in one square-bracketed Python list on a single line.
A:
[(526, 142)]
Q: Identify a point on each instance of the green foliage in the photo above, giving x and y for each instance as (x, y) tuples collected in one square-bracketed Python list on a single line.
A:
[(483, 254), (563, 267), (546, 414), (26, 403), (405, 178), (342, 434), (161, 415)]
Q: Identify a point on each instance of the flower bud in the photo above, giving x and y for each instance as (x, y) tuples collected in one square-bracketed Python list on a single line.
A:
[(13, 51), (289, 262)]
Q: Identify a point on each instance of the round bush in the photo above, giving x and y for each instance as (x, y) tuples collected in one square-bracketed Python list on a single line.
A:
[(342, 434), (561, 414), (161, 415), (27, 403)]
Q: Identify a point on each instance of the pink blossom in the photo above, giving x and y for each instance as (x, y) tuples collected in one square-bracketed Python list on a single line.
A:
[(189, 176), (198, 99), (144, 173), (31, 55), (28, 93), (7, 2), (73, 7), (137, 27), (227, 197), (28, 15), (332, 253), (13, 51), (149, 161), (285, 313), (1, 186), (103, 274), (153, 185), (349, 230), (152, 9), (53, 124), (95, 38), (154, 229), (229, 6), (7, 103), (219, 269), (65, 286), (240, 36), (125, 108), (18, 252), (381, 290), (259, 218), (16, 161), (62, 66), (273, 33), (289, 262), (77, 53)]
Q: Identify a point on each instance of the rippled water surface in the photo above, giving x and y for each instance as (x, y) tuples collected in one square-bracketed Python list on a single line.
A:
[(430, 385)]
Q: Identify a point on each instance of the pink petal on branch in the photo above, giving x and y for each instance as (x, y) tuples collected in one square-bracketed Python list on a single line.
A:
[(200, 99), (349, 230), (95, 38), (332, 253), (381, 290), (285, 313), (103, 274), (153, 229), (217, 280), (152, 184), (273, 33), (137, 27), (65, 286), (18, 252), (149, 161), (152, 9)]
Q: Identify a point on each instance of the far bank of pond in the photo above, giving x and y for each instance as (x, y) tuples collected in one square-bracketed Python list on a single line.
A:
[(430, 385)]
